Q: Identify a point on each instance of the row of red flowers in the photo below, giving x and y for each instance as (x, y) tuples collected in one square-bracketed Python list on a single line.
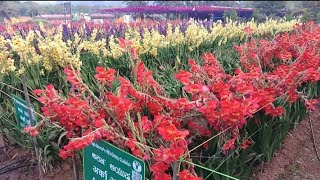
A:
[(140, 116)]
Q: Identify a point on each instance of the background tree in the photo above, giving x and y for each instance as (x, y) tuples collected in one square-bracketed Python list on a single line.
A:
[(233, 15), (23, 11), (168, 3), (269, 7), (311, 9), (136, 3), (221, 3), (83, 9), (307, 16), (32, 12), (196, 3), (318, 18)]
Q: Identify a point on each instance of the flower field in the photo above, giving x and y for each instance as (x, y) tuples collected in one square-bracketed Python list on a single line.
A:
[(194, 100)]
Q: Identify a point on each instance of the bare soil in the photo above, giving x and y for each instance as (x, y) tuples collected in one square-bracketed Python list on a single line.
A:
[(13, 156), (297, 159)]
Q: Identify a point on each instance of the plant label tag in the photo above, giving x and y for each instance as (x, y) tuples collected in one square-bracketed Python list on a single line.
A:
[(22, 112), (103, 161)]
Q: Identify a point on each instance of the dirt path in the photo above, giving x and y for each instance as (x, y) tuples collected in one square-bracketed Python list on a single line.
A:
[(297, 159)]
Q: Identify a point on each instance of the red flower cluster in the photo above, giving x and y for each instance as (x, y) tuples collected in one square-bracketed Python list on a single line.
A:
[(117, 114), (140, 114), (226, 101)]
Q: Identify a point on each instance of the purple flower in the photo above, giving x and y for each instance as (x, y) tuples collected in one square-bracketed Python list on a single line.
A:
[(65, 33)]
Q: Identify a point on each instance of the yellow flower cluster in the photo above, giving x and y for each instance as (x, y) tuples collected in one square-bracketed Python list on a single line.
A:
[(20, 20), (234, 29), (152, 41), (96, 47), (24, 47), (54, 51), (174, 38), (134, 36), (115, 49), (6, 62), (57, 53), (195, 35)]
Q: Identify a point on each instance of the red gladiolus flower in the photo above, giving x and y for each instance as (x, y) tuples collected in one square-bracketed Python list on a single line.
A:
[(232, 111), (71, 75), (146, 124), (274, 112), (248, 30), (124, 43), (183, 77), (246, 143), (186, 175), (135, 149), (193, 88), (169, 155), (162, 176), (38, 92), (79, 144), (162, 155), (205, 145), (183, 104), (145, 78), (134, 53), (159, 167), (104, 75), (32, 131), (99, 123), (310, 104), (63, 154), (195, 68), (285, 55), (88, 139), (222, 89), (228, 145), (171, 133)]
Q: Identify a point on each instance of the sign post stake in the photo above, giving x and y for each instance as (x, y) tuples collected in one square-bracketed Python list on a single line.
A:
[(75, 168), (32, 122)]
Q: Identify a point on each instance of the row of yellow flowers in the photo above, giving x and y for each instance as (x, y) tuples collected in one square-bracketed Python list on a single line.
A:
[(56, 52)]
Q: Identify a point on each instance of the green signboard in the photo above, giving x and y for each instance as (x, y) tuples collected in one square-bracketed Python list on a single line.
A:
[(103, 161), (22, 111)]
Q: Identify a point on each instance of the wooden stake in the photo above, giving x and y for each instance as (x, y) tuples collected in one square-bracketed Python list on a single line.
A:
[(75, 168), (175, 171), (32, 122)]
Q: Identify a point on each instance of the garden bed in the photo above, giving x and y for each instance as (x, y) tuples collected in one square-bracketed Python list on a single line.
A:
[(190, 103)]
